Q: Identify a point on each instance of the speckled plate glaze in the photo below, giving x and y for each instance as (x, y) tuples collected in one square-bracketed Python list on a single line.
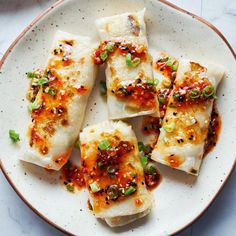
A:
[(180, 198)]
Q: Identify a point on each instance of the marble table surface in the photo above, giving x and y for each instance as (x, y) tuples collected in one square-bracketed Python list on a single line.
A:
[(17, 219)]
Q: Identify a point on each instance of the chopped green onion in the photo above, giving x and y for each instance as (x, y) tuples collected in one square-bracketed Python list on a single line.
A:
[(152, 82), (156, 81), (34, 106), (193, 94), (122, 191), (50, 90), (15, 137), (70, 188), (150, 168), (128, 60), (208, 91), (43, 81), (113, 192), (161, 98), (132, 63), (143, 160), (169, 127), (94, 187), (105, 144), (174, 67), (144, 148), (103, 55), (170, 62), (110, 47), (177, 97), (103, 88), (111, 170), (129, 190), (31, 75), (141, 146)]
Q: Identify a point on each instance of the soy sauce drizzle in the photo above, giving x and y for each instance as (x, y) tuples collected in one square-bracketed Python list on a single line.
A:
[(214, 131), (72, 177)]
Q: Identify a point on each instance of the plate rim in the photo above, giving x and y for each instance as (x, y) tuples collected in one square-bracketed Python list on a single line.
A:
[(37, 19)]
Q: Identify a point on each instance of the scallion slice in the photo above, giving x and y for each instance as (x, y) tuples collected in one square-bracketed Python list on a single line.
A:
[(128, 60), (161, 98), (50, 91), (15, 137), (169, 127), (177, 97), (94, 187), (70, 188), (208, 91), (42, 81), (34, 106), (110, 47), (132, 63), (174, 67), (111, 170), (31, 75), (129, 190), (195, 93), (152, 82), (144, 161), (170, 62), (143, 148), (104, 145), (104, 55), (152, 169), (113, 192)]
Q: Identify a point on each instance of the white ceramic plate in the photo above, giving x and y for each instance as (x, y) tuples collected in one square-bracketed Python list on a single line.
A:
[(180, 198)]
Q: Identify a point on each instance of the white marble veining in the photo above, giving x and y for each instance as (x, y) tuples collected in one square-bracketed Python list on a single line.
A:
[(18, 219)]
